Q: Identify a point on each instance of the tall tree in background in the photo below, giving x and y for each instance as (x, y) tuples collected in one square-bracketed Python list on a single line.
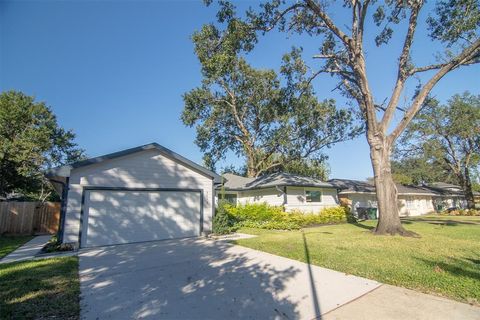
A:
[(417, 168), (30, 141), (450, 135), (453, 24), (245, 110)]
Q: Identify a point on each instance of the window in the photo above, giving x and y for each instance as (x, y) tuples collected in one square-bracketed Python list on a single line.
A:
[(230, 197), (313, 195)]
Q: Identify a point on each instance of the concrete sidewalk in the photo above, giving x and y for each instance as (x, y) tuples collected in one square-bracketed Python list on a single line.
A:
[(395, 303), (28, 250)]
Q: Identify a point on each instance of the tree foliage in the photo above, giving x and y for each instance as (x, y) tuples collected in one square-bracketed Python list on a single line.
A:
[(248, 111), (30, 141), (447, 135), (453, 24), (417, 169)]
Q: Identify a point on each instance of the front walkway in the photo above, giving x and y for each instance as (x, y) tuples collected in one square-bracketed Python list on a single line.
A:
[(28, 250)]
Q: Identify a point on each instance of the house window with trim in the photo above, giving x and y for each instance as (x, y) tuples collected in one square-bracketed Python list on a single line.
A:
[(230, 197), (313, 195)]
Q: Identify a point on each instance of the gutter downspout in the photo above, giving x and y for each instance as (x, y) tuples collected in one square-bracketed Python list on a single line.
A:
[(63, 207)]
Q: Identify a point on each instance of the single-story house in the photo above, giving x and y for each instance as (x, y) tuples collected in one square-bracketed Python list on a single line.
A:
[(140, 194), (293, 192), (448, 195), (360, 196)]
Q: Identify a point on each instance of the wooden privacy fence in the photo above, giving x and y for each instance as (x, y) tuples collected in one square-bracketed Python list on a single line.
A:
[(29, 217)]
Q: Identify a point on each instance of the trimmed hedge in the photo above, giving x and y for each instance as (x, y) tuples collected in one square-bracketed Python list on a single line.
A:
[(264, 216)]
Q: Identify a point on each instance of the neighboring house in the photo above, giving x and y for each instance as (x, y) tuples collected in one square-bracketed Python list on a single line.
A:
[(293, 192), (140, 194), (360, 196), (449, 195)]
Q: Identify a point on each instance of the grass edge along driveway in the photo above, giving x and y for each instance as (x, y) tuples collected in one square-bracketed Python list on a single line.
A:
[(40, 289), (8, 244), (445, 261)]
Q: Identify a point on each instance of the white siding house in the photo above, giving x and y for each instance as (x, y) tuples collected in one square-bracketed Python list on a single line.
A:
[(293, 192), (141, 194)]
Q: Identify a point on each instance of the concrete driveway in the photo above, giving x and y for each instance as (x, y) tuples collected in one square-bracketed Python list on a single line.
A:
[(205, 279)]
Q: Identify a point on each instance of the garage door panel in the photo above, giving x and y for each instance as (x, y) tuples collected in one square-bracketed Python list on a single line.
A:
[(115, 217)]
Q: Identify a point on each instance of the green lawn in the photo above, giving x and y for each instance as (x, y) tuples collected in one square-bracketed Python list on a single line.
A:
[(10, 243), (445, 261), (40, 289)]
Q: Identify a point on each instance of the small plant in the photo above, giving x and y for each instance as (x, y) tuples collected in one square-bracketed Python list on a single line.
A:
[(55, 246), (223, 221)]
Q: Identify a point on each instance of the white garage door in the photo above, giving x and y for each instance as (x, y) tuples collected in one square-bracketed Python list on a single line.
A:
[(116, 216)]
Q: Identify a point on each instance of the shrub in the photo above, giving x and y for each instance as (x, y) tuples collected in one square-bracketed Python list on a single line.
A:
[(53, 245), (265, 216), (223, 221), (462, 212)]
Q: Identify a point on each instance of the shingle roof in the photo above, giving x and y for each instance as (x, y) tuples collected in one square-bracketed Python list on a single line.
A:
[(447, 188), (356, 186), (64, 171), (234, 182)]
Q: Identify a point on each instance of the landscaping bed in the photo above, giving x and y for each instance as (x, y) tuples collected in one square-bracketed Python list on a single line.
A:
[(445, 261), (229, 218), (40, 289)]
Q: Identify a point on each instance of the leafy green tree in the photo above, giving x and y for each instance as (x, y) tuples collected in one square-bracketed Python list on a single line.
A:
[(241, 109), (415, 168), (30, 141), (452, 23), (448, 135)]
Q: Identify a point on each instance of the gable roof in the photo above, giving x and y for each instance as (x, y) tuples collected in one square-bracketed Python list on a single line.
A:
[(64, 171), (279, 179)]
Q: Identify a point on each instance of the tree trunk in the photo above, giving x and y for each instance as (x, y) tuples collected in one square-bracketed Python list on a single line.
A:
[(251, 166), (386, 191), (467, 189)]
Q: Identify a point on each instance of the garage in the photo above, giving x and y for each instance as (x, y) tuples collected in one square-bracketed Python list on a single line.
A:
[(125, 216), (146, 193)]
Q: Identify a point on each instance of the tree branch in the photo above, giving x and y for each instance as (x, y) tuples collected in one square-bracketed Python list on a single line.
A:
[(315, 7), (466, 55), (402, 68)]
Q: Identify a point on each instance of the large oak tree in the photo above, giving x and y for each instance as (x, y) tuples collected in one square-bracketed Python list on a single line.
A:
[(452, 24), (274, 123)]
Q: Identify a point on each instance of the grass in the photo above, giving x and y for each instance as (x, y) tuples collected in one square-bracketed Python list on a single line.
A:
[(445, 261), (10, 243), (40, 289)]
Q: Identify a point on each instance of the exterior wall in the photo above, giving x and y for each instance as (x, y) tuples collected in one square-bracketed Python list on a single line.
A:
[(146, 169), (415, 205), (360, 200), (295, 199), (269, 195), (447, 202), (407, 205)]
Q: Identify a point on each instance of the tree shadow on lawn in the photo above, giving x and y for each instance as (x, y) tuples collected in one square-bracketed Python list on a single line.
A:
[(463, 267), (363, 226), (39, 289), (440, 221)]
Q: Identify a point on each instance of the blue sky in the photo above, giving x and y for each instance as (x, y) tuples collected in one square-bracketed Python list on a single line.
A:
[(115, 71)]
